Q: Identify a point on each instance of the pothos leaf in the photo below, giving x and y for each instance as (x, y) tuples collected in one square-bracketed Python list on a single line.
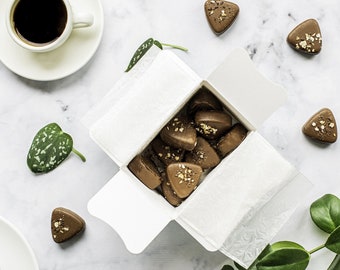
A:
[(158, 44), (325, 212), (227, 267), (142, 49), (145, 46), (285, 256), (333, 241), (49, 148)]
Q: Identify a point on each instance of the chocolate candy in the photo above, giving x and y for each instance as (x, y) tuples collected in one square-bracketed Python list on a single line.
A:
[(306, 37), (183, 177), (173, 163), (204, 100), (170, 195), (212, 124), (232, 139), (166, 153), (179, 133), (65, 224), (203, 155), (145, 170), (321, 126), (220, 14)]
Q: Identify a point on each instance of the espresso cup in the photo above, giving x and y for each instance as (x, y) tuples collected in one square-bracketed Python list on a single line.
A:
[(43, 25)]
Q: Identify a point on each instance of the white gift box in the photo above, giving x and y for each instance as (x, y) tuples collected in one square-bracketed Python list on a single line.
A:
[(241, 204)]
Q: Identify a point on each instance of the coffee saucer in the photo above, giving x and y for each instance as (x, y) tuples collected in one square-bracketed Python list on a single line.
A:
[(67, 59)]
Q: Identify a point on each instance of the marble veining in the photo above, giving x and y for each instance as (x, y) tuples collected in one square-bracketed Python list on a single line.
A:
[(261, 28)]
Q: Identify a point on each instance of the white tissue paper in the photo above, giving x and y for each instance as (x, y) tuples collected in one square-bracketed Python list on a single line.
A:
[(241, 204)]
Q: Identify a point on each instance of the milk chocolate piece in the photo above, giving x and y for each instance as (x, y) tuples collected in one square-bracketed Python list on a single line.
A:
[(65, 224), (321, 126), (212, 124), (203, 155), (306, 37), (179, 133), (166, 153), (204, 100), (183, 177), (170, 195), (232, 139), (220, 14), (145, 171)]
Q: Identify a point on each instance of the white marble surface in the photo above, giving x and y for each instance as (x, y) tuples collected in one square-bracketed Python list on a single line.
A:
[(261, 28)]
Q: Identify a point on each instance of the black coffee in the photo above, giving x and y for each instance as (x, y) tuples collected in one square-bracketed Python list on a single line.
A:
[(40, 21)]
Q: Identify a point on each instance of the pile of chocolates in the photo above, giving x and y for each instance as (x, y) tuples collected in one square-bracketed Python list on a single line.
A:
[(189, 146)]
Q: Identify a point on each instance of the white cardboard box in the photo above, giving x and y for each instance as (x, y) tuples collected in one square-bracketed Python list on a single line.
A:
[(241, 204)]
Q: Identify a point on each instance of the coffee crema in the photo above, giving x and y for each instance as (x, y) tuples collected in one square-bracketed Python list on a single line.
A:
[(39, 21)]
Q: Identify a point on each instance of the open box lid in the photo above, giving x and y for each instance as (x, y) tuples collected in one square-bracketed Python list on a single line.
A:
[(245, 89)]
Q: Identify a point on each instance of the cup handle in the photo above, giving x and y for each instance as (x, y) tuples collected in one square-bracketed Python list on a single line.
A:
[(81, 20)]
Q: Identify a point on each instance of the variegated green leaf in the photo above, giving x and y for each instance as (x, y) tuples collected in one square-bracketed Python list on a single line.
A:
[(49, 148), (145, 46), (142, 49)]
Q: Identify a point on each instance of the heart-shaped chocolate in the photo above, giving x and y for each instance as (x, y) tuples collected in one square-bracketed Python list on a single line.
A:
[(321, 126), (166, 153), (204, 100), (306, 37), (146, 171), (170, 195), (179, 133), (220, 14), (203, 155), (65, 224), (212, 124), (232, 139), (183, 177)]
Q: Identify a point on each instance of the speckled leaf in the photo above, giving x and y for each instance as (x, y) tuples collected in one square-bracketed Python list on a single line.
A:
[(142, 49), (49, 148), (158, 44)]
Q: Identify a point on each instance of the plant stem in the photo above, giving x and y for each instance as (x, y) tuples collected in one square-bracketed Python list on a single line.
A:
[(316, 249), (79, 154), (175, 46)]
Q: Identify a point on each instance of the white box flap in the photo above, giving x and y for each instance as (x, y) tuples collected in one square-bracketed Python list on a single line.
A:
[(234, 192), (252, 236), (149, 102), (247, 90), (130, 209)]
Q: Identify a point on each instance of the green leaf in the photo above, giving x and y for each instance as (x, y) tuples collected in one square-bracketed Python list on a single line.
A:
[(335, 265), (285, 256), (145, 46), (142, 49), (333, 241), (49, 148), (325, 212), (227, 267), (158, 44), (286, 244)]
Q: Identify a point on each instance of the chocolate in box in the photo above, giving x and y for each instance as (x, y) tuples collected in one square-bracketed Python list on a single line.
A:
[(241, 204)]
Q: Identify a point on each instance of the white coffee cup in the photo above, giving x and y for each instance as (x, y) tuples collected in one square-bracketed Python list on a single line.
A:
[(40, 25)]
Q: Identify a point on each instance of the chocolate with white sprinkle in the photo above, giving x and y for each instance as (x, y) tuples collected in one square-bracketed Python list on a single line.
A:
[(321, 126), (306, 37)]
